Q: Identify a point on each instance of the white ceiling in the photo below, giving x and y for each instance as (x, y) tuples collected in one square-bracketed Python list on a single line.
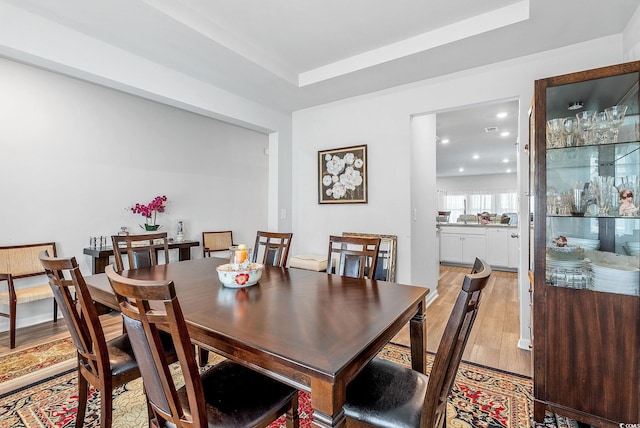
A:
[(293, 54)]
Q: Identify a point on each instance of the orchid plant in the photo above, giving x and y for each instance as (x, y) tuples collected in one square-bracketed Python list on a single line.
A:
[(149, 211)]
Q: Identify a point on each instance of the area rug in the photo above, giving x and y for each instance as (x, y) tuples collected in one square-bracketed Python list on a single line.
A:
[(27, 366), (481, 397)]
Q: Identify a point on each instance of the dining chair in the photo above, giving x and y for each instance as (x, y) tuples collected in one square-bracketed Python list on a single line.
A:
[(216, 241), (101, 363), (142, 250), (352, 256), (386, 394), (272, 248), (227, 394)]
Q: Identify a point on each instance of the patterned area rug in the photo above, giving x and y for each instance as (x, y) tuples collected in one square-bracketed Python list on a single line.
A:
[(22, 363), (481, 397)]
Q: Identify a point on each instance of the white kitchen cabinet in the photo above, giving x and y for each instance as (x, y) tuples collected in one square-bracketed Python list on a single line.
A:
[(514, 248), (498, 246), (502, 247), (462, 245)]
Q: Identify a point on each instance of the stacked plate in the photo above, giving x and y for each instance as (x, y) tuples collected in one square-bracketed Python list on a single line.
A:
[(616, 279), (632, 248), (614, 273), (565, 267), (587, 244)]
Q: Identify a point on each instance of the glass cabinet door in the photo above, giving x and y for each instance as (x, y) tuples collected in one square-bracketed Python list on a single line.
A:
[(592, 234)]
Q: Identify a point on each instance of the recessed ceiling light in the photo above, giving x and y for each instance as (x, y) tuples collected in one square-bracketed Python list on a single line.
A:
[(508, 170), (504, 134), (505, 160), (476, 156), (445, 140), (577, 105), (501, 115), (461, 169)]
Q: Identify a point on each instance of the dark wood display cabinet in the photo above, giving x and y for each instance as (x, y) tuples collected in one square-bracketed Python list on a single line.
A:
[(585, 264)]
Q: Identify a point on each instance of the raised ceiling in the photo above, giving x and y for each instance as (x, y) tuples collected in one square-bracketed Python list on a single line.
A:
[(293, 54), (290, 55)]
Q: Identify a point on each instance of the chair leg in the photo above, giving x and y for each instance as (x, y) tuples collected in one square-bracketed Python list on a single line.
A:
[(55, 310), (293, 416), (203, 356), (106, 407), (12, 324), (83, 391)]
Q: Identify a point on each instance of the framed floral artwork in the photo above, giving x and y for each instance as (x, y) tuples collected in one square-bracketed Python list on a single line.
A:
[(342, 175)]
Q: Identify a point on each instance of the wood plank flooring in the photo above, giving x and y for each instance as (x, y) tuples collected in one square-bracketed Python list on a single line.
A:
[(493, 340)]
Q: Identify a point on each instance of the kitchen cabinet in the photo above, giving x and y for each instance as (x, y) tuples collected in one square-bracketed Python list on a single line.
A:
[(502, 247), (586, 238), (462, 244)]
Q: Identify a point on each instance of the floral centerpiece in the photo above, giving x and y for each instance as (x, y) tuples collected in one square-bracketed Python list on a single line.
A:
[(149, 211)]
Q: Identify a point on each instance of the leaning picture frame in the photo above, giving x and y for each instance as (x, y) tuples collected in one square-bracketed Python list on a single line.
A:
[(386, 270), (342, 175)]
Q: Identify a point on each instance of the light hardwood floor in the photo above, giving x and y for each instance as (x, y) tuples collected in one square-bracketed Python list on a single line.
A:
[(493, 340)]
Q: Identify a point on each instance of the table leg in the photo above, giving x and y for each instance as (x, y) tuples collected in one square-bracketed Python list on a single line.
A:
[(184, 253), (98, 264), (418, 338), (327, 400)]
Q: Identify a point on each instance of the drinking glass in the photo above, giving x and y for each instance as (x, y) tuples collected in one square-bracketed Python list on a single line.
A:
[(615, 114), (603, 190), (554, 132), (570, 125), (585, 125), (602, 127)]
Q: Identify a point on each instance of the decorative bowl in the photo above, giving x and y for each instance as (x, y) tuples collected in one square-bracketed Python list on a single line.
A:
[(240, 278)]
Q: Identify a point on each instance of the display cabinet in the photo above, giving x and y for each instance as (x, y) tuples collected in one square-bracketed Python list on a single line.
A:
[(585, 259)]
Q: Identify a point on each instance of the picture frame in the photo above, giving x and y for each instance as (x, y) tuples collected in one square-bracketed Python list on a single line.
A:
[(342, 175), (386, 270)]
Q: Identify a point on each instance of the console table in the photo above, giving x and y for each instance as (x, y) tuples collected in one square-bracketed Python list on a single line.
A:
[(100, 256)]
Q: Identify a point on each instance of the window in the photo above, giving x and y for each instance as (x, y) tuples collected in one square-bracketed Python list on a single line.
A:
[(495, 201)]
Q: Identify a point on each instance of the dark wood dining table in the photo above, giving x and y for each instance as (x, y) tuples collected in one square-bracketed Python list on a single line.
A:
[(310, 330)]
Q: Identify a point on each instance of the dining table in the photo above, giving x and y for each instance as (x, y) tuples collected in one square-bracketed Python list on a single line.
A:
[(311, 330)]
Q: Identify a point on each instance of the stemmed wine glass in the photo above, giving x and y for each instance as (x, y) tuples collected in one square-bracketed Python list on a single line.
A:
[(615, 115), (585, 124), (602, 126), (570, 125)]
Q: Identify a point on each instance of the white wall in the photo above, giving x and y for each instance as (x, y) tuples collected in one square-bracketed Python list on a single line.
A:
[(478, 182), (631, 38), (382, 121), (425, 247), (29, 38), (75, 155)]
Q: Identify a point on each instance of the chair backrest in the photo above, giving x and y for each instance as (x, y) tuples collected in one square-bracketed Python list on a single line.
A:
[(452, 344), (272, 248), (142, 250), (355, 257), (81, 318), (216, 241), (136, 299)]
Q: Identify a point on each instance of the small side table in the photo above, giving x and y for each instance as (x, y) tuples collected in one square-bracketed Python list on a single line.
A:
[(100, 256)]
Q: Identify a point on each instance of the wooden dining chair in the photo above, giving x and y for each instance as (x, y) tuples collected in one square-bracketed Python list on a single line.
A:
[(142, 250), (353, 256), (226, 394), (386, 394), (216, 241), (101, 363), (272, 248)]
